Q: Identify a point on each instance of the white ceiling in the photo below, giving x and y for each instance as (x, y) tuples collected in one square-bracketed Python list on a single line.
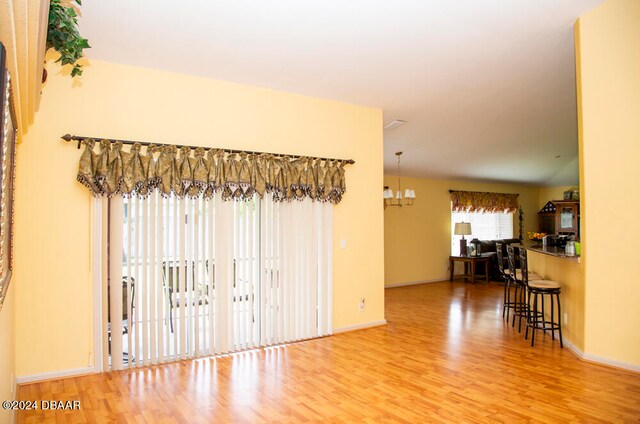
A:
[(487, 87)]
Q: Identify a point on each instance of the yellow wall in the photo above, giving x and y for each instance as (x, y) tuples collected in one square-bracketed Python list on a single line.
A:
[(552, 193), (608, 71), (20, 31), (7, 352), (417, 239), (53, 223)]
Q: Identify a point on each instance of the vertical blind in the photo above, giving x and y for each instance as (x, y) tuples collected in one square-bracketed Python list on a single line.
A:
[(193, 277)]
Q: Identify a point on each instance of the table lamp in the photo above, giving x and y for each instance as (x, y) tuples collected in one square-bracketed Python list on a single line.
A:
[(462, 229)]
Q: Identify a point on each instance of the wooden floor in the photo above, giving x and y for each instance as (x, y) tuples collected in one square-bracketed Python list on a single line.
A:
[(445, 356)]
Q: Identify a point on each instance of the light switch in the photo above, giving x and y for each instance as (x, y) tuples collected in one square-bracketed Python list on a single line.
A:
[(343, 243)]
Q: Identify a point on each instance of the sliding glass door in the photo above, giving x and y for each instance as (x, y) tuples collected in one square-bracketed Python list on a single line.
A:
[(193, 277)]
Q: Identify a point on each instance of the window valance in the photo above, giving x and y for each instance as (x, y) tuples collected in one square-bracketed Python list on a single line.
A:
[(476, 201), (197, 172)]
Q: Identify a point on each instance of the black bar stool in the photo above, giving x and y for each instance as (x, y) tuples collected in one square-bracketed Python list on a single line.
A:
[(539, 288), (507, 303), (520, 298)]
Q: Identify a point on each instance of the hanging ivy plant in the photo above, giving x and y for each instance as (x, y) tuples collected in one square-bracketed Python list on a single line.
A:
[(63, 35)]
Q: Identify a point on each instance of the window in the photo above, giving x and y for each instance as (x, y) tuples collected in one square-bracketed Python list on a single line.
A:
[(484, 226)]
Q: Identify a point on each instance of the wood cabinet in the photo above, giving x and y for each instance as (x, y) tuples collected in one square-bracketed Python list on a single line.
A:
[(568, 217), (560, 217), (547, 219)]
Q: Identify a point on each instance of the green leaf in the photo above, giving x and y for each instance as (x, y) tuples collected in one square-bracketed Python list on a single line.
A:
[(83, 43), (63, 35)]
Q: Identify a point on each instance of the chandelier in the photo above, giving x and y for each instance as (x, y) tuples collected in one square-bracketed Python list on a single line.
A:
[(397, 200)]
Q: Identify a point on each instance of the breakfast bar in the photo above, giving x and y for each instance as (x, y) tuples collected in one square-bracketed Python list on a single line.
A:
[(558, 252), (553, 263)]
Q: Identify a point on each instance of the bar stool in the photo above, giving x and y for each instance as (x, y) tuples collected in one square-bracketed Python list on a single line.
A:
[(539, 288), (507, 303), (520, 298)]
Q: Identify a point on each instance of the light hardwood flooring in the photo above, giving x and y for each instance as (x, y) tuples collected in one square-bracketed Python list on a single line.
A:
[(445, 356)]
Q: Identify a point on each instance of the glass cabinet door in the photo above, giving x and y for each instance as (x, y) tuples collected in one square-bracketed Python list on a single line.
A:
[(566, 218)]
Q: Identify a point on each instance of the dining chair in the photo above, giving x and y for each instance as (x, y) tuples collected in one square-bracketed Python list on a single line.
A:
[(171, 283), (126, 312)]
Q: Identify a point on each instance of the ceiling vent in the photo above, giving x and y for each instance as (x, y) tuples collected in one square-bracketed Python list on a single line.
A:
[(394, 124)]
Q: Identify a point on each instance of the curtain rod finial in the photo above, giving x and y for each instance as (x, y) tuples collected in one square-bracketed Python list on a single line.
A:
[(69, 137)]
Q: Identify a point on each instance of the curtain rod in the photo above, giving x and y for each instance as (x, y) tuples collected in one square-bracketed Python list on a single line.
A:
[(78, 138), (489, 192)]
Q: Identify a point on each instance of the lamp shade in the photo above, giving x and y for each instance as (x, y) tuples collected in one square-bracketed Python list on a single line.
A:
[(398, 195), (388, 194), (462, 229)]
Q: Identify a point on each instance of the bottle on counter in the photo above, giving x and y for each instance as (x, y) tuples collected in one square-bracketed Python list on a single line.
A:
[(570, 248)]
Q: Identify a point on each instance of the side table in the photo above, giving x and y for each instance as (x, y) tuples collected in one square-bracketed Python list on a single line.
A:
[(472, 261)]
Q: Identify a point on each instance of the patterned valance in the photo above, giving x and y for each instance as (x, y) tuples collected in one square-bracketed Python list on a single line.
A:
[(197, 172), (476, 201)]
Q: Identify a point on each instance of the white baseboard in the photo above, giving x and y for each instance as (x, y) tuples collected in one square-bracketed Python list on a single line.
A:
[(360, 326), (573, 348), (610, 362), (413, 283), (55, 375), (587, 357)]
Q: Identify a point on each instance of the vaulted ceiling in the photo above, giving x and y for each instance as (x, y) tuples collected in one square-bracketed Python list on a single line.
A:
[(486, 87)]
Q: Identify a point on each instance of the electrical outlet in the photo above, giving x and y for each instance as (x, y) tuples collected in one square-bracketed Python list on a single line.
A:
[(361, 304), (566, 318)]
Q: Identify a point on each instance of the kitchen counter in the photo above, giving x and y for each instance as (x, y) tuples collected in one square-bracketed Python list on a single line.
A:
[(553, 264), (548, 250)]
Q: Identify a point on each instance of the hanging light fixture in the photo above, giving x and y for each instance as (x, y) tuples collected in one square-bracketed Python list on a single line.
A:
[(396, 200)]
